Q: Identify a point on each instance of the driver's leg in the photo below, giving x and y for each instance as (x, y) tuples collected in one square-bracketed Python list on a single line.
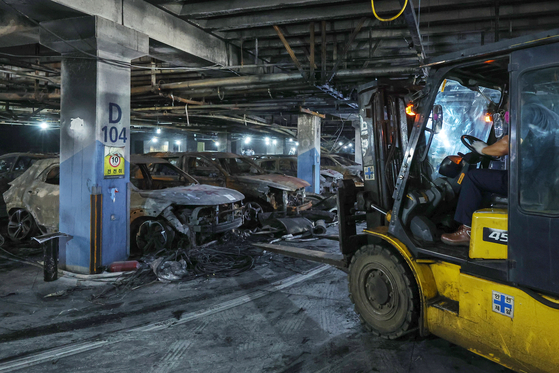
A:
[(475, 184)]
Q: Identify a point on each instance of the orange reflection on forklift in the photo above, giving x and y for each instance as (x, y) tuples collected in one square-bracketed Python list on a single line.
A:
[(409, 110)]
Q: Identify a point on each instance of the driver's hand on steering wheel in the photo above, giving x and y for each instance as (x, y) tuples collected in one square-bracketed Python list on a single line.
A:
[(479, 146)]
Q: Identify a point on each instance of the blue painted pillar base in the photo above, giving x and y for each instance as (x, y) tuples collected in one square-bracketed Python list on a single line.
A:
[(308, 154), (94, 128)]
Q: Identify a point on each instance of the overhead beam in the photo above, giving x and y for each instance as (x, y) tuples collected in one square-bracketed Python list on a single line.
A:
[(346, 49), (301, 29), (159, 25), (339, 37), (398, 29), (219, 8), (290, 51), (323, 49), (388, 44), (391, 47), (16, 30), (311, 59), (466, 10), (327, 12)]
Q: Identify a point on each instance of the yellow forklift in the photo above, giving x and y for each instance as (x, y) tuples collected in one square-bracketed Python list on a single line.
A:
[(499, 297)]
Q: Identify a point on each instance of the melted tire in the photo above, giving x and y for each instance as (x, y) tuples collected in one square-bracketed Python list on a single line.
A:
[(383, 291)]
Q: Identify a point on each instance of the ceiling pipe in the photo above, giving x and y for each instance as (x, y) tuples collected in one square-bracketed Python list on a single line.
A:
[(223, 82), (40, 96), (374, 71), (272, 78)]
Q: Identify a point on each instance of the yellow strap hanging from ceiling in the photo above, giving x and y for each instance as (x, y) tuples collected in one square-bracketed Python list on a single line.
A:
[(388, 19)]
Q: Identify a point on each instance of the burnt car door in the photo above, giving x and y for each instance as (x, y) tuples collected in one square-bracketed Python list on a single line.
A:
[(288, 167), (6, 170), (269, 165), (204, 171), (534, 169), (42, 196), (22, 164)]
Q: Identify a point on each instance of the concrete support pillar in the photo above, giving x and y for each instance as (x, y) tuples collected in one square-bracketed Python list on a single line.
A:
[(94, 138), (308, 156), (191, 145), (224, 139)]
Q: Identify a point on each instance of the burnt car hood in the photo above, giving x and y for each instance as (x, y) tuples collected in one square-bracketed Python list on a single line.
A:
[(353, 170), (277, 181), (331, 173), (194, 195)]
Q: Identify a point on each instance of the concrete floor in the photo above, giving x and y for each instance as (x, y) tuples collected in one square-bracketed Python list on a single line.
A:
[(284, 315)]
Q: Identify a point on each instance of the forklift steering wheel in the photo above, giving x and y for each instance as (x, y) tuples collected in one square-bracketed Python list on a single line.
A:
[(468, 140)]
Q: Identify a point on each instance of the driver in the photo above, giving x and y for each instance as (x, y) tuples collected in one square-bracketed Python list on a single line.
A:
[(477, 183)]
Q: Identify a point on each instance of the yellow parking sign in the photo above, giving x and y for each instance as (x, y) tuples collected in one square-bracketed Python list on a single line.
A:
[(114, 162)]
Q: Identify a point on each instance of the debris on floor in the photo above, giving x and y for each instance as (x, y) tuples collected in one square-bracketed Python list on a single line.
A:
[(308, 225), (229, 256)]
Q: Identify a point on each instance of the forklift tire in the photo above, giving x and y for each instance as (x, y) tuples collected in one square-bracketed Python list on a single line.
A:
[(383, 291)]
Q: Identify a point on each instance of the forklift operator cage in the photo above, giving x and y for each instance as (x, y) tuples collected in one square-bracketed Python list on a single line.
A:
[(524, 75)]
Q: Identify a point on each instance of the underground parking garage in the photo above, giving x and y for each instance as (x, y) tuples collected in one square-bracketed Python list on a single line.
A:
[(279, 186)]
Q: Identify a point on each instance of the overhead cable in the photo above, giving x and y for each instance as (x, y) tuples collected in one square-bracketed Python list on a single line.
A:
[(388, 19)]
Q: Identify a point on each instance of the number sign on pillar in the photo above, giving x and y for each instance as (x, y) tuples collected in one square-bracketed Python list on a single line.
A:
[(114, 134)]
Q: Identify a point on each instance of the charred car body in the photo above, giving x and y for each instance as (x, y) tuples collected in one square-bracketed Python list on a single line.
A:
[(13, 165), (271, 191), (287, 165), (164, 202), (350, 170)]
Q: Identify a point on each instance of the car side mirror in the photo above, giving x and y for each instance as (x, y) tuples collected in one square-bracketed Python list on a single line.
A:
[(437, 118)]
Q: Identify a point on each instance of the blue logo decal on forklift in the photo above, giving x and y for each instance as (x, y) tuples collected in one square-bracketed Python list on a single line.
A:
[(369, 173), (503, 304)]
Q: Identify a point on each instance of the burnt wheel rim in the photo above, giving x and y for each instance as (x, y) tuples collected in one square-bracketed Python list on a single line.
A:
[(151, 236), (252, 210), (20, 224), (379, 291)]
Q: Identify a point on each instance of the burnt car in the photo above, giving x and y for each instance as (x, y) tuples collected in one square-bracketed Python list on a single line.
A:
[(13, 165), (267, 190), (165, 202), (287, 165), (350, 169)]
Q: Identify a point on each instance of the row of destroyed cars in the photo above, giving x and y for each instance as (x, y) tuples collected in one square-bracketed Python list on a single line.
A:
[(195, 194), (332, 168)]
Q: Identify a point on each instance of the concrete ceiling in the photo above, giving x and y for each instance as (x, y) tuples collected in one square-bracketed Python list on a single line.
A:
[(245, 65)]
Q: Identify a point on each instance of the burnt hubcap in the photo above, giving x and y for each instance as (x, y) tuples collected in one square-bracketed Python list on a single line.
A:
[(151, 236), (20, 224)]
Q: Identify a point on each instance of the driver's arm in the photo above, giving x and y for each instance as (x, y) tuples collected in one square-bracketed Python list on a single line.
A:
[(499, 148)]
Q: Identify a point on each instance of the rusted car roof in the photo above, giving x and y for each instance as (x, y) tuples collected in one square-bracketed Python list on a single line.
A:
[(140, 158), (199, 154)]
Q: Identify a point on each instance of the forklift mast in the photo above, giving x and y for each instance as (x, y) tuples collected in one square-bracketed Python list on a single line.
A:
[(384, 129)]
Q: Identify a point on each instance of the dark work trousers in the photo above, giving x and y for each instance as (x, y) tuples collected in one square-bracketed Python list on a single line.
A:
[(479, 184)]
